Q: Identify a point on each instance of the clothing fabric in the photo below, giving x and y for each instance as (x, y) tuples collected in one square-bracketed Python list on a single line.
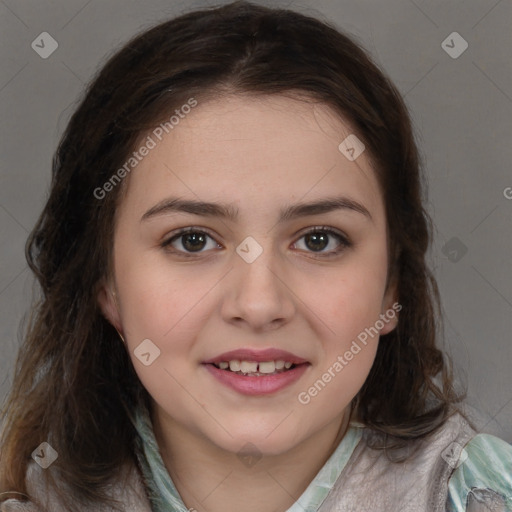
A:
[(165, 497), (455, 470)]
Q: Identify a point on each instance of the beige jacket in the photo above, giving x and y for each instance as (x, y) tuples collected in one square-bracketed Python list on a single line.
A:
[(369, 482)]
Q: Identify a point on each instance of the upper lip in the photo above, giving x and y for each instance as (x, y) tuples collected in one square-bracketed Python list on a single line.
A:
[(247, 354)]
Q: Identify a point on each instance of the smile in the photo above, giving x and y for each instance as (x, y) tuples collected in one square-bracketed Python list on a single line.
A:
[(256, 372), (255, 368)]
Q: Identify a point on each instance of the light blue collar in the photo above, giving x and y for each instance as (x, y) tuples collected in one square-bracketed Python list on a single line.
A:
[(165, 498)]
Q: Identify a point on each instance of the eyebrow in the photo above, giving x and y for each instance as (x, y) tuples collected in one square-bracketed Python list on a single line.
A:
[(230, 212)]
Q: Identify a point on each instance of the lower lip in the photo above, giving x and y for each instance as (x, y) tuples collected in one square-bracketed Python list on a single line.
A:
[(263, 385)]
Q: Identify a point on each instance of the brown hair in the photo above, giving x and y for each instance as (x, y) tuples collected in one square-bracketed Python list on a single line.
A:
[(74, 382)]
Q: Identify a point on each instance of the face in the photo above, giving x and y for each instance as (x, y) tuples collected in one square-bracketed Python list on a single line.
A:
[(260, 278)]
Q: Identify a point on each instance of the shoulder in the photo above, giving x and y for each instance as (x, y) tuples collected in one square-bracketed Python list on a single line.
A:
[(128, 488), (419, 476), (482, 475)]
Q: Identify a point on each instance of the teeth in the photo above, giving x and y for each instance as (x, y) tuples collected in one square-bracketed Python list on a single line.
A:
[(267, 367), (253, 367), (248, 367), (234, 365)]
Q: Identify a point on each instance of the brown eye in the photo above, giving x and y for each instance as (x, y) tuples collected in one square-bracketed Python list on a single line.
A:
[(193, 241), (316, 241), (319, 239), (189, 241)]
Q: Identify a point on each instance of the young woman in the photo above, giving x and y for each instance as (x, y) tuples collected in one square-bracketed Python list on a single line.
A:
[(236, 313)]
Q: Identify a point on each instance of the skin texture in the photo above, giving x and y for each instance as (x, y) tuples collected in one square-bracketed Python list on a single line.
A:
[(258, 154)]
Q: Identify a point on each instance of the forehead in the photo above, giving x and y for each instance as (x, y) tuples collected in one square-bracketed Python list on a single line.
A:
[(275, 148), (271, 129)]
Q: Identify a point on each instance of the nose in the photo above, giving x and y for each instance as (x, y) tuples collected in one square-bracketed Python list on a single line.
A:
[(257, 295)]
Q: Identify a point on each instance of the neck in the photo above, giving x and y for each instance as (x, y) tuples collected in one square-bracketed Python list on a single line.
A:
[(211, 479)]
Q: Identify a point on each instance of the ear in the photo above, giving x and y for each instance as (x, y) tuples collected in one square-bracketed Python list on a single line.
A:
[(390, 308), (108, 305)]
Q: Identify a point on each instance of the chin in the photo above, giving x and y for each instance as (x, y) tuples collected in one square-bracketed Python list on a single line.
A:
[(262, 439)]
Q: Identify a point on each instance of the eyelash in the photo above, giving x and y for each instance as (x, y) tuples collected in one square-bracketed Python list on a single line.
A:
[(344, 241)]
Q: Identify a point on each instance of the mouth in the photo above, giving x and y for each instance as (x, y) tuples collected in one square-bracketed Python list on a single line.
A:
[(255, 368), (256, 363), (260, 372)]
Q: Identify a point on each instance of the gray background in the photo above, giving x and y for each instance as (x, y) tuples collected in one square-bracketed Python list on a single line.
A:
[(461, 109)]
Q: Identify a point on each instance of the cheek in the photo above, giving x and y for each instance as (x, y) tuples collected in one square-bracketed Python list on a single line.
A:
[(168, 309), (349, 299), (348, 349), (157, 297), (348, 303)]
